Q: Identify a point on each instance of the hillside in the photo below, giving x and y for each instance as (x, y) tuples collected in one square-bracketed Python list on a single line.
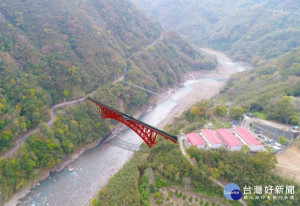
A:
[(56, 50), (263, 33), (51, 51), (162, 168), (269, 89), (251, 31)]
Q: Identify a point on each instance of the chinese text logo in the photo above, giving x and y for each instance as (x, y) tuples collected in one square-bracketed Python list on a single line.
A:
[(232, 192)]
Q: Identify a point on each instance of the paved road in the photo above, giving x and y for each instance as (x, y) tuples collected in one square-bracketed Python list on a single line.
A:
[(247, 120), (21, 139)]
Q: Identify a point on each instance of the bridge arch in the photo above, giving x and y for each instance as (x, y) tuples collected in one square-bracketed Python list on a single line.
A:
[(147, 132)]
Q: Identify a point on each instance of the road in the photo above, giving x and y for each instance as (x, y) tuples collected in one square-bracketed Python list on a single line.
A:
[(21, 139), (160, 38), (247, 120), (108, 158)]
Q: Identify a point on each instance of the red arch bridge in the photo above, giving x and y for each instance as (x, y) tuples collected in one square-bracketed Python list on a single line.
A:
[(145, 131)]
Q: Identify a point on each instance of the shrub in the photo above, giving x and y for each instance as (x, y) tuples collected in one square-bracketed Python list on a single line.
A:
[(152, 188)]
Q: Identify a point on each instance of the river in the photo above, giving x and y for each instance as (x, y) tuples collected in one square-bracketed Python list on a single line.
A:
[(92, 169)]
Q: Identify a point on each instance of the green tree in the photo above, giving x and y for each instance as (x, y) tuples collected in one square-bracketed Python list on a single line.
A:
[(220, 110), (297, 89), (284, 110), (236, 112), (245, 149), (294, 119), (264, 161), (66, 93), (201, 109), (282, 140)]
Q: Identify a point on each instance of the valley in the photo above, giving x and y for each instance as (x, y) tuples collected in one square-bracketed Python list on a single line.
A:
[(178, 65), (109, 157)]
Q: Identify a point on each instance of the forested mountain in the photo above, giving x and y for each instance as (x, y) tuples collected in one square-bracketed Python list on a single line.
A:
[(51, 50), (248, 30), (271, 89), (264, 33)]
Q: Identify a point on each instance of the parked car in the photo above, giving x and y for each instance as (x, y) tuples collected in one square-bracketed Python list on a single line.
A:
[(277, 144), (259, 136)]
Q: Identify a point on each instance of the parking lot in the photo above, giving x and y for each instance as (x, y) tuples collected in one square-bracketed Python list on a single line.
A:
[(272, 132), (270, 135)]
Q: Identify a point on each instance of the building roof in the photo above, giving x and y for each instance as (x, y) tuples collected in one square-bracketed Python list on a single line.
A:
[(245, 135), (211, 136), (195, 139), (228, 138)]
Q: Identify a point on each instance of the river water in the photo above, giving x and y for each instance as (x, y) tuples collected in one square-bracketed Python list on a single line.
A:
[(91, 170)]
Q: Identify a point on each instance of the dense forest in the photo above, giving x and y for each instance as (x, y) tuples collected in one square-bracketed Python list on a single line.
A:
[(132, 185), (262, 33), (251, 31), (53, 50), (272, 89)]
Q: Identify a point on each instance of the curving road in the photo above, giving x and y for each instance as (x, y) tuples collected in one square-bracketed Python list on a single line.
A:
[(21, 139), (96, 166)]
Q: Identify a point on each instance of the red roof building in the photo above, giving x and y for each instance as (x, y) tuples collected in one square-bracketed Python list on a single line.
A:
[(212, 138), (195, 140), (229, 139), (248, 138)]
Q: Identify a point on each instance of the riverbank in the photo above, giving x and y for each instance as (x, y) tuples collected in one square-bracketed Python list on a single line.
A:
[(45, 173), (213, 82), (67, 160), (109, 159)]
